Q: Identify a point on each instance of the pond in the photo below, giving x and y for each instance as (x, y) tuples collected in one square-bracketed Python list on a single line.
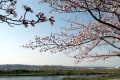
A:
[(45, 77)]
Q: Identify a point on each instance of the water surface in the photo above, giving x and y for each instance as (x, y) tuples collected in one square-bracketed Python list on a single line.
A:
[(45, 77)]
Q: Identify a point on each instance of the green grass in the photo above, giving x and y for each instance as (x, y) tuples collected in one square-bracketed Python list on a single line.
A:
[(106, 77), (98, 78)]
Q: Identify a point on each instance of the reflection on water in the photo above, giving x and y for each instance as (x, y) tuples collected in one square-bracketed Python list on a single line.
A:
[(45, 77)]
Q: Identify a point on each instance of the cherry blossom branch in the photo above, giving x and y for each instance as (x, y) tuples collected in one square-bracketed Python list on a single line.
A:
[(9, 7), (85, 37)]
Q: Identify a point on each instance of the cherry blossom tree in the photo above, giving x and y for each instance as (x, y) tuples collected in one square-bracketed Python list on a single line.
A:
[(8, 14), (103, 31)]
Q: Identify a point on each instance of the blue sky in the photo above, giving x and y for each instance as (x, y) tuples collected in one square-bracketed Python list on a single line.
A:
[(13, 37)]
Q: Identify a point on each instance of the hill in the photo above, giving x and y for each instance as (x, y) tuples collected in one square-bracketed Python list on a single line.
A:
[(37, 67)]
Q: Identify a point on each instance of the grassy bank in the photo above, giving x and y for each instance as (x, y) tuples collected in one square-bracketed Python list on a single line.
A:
[(46, 72), (67, 78), (106, 77)]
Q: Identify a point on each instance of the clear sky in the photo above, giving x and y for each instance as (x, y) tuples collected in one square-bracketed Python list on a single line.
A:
[(11, 38)]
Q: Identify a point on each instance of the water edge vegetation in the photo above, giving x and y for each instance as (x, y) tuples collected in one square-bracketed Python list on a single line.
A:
[(54, 71)]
